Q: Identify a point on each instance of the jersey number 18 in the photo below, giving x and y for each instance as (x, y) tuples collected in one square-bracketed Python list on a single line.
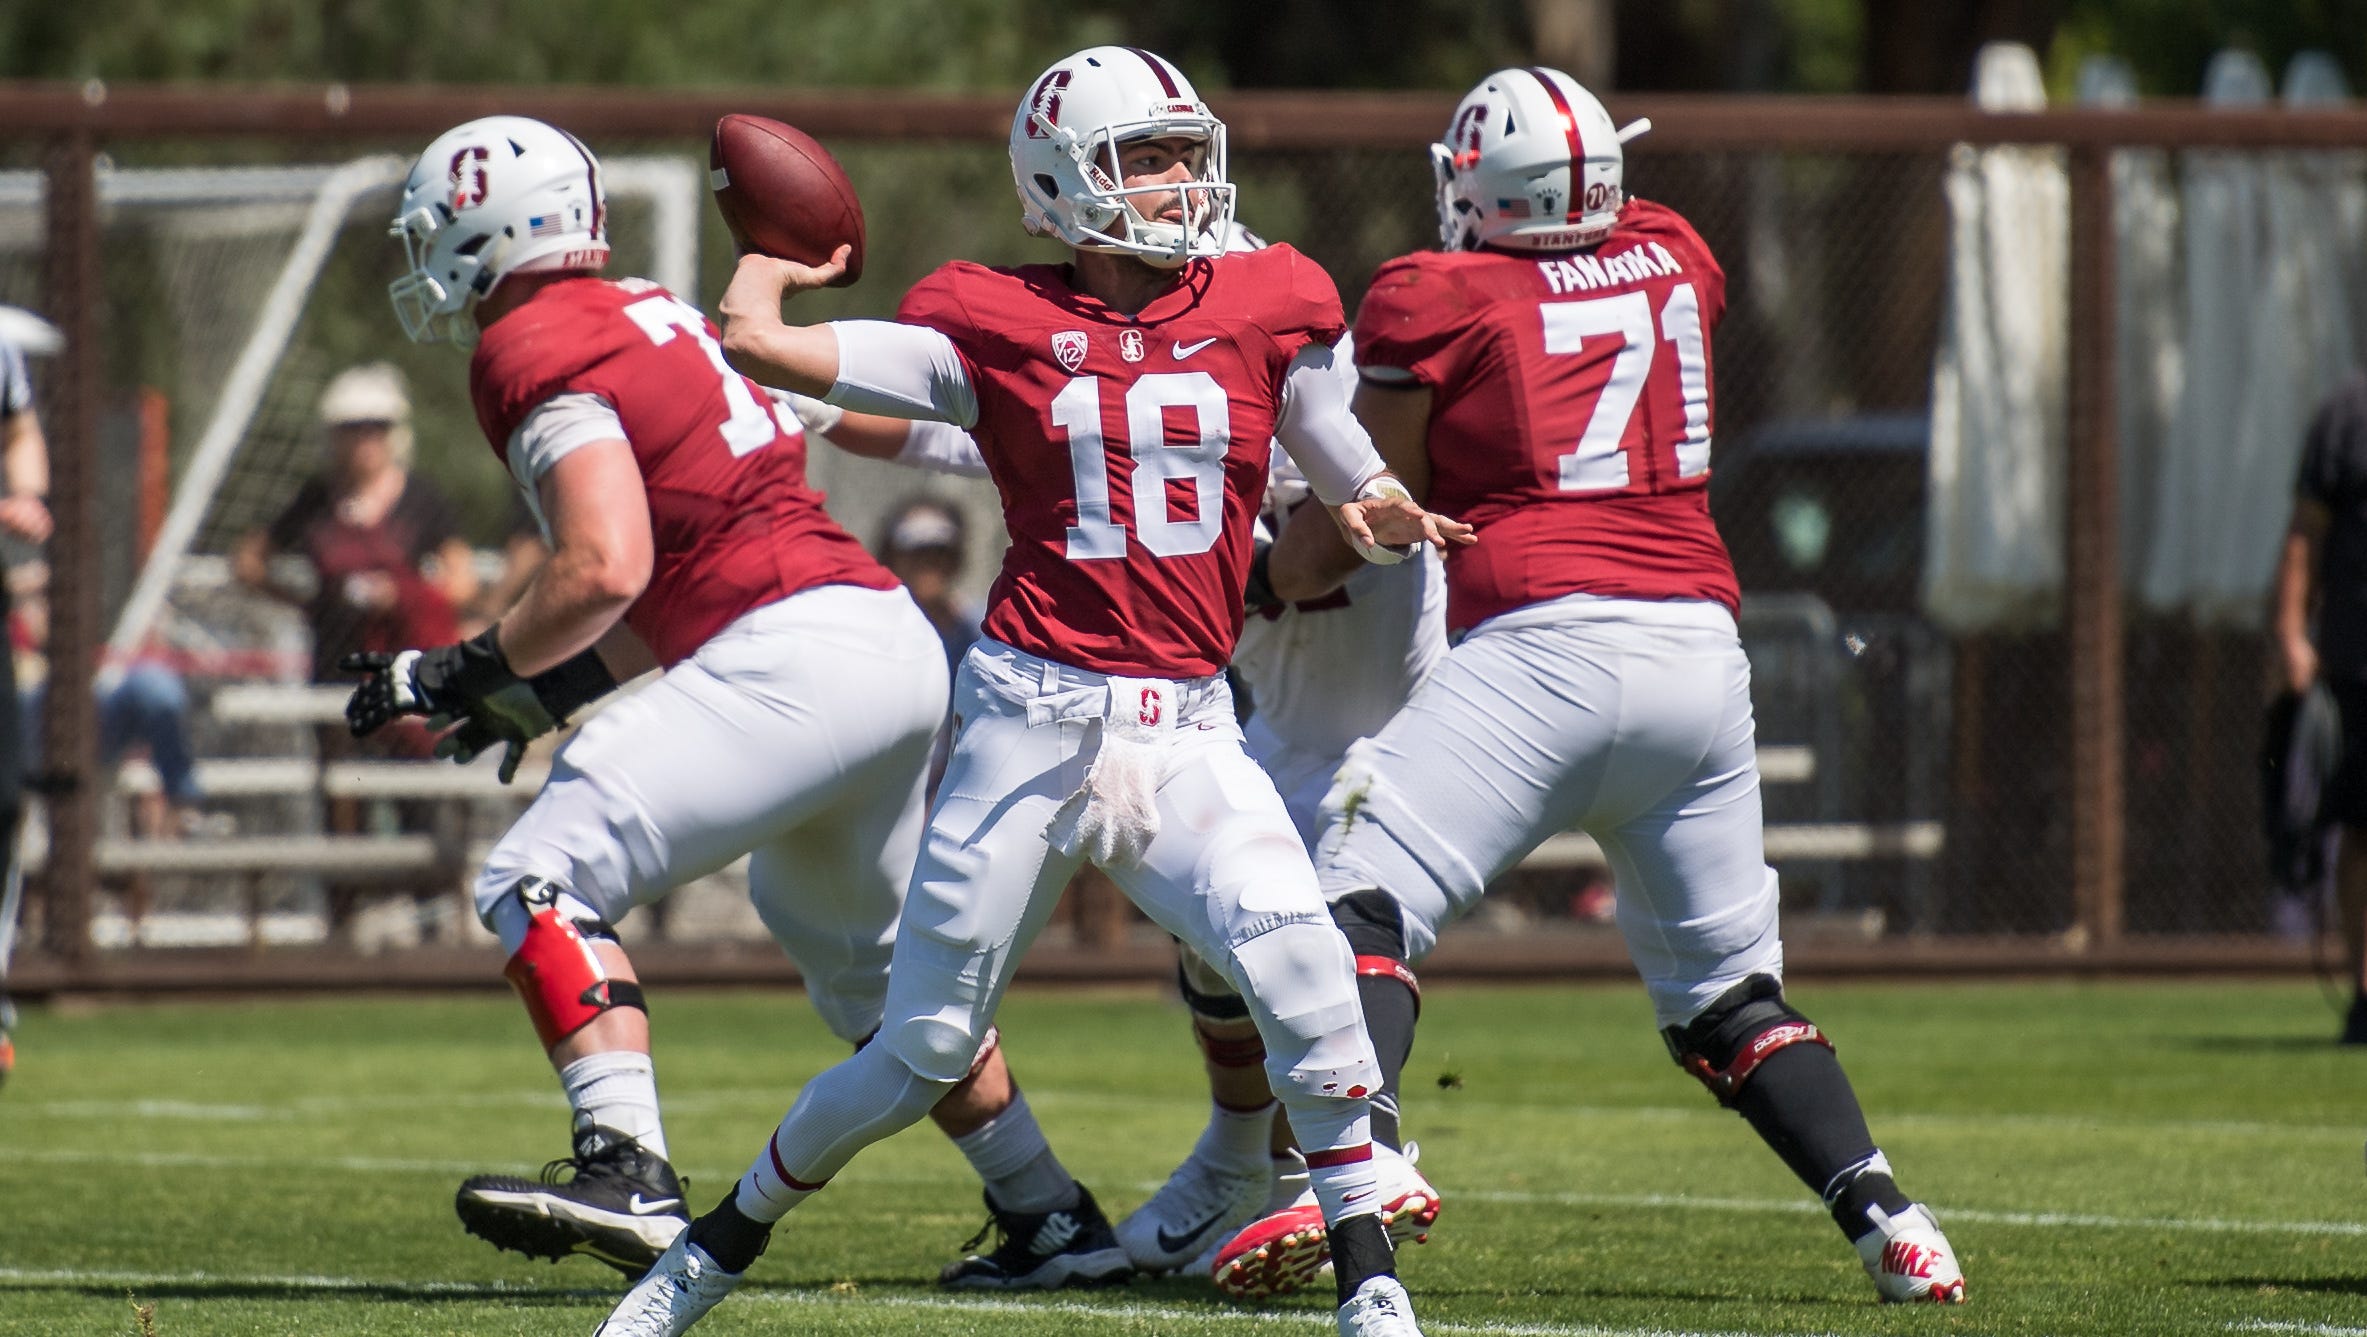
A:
[(1077, 412)]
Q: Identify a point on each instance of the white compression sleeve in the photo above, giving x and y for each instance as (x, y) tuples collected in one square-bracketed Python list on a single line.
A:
[(902, 371), (941, 447), (1323, 438)]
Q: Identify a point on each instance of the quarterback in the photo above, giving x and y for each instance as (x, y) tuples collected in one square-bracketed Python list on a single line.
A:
[(1547, 376), (794, 721), (1123, 404), (1323, 671)]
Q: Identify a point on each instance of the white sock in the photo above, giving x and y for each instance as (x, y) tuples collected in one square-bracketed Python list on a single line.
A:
[(766, 1192), (1011, 1155), (1238, 1140), (617, 1090)]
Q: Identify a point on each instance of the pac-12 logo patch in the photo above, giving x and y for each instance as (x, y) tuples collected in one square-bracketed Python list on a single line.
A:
[(468, 177), (1069, 347), (1130, 345)]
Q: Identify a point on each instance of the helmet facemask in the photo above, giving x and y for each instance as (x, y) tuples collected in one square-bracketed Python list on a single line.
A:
[(1091, 180), (430, 309)]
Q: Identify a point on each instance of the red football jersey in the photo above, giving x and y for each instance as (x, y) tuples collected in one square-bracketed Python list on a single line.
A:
[(1130, 451), (734, 524), (1571, 418)]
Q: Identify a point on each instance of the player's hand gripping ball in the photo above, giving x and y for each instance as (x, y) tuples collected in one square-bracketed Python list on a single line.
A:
[(783, 195)]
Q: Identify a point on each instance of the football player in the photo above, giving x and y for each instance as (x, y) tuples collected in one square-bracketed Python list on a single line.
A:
[(1124, 403), (1322, 672), (1547, 375), (794, 721)]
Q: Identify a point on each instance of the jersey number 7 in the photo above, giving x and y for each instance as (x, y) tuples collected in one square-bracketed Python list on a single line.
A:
[(663, 318)]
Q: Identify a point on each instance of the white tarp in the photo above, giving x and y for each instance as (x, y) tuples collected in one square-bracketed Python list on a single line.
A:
[(2148, 319), (2270, 248), (1994, 527)]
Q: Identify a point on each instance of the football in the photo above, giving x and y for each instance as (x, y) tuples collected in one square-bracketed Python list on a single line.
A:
[(783, 195)]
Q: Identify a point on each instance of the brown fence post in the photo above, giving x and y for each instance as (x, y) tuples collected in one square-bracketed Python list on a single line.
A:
[(70, 753), (2091, 518)]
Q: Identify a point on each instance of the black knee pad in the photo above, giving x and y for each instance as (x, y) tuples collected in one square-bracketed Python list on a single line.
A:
[(1226, 1005), (1373, 923), (1735, 1034)]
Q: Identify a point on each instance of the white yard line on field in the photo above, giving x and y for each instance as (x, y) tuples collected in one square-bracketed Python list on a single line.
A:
[(2046, 1220), (2305, 1329), (727, 1099), (1125, 1310), (168, 1160)]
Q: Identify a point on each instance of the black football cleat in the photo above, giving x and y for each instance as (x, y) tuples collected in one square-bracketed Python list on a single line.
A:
[(1042, 1251), (611, 1200)]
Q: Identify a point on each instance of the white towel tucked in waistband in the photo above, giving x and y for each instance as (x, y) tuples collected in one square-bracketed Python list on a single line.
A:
[(1115, 816)]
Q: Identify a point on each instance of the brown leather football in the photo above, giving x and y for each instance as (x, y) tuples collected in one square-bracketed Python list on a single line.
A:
[(783, 195)]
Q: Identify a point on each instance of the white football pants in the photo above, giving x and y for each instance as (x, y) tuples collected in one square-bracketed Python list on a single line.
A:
[(1208, 853), (1629, 719), (799, 734)]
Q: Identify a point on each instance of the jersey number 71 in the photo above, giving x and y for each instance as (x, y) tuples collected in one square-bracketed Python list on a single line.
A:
[(1600, 463)]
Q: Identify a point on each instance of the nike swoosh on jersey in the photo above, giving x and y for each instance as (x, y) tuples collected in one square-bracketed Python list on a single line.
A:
[(640, 1206), (1175, 1241), (1184, 350)]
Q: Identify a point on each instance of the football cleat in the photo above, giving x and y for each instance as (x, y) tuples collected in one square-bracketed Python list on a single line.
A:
[(1379, 1308), (1041, 1251), (1910, 1260), (611, 1200), (1199, 1207), (1283, 1251), (675, 1293)]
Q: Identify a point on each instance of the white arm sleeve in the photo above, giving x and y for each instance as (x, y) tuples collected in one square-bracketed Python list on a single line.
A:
[(941, 447), (929, 445), (1322, 436), (903, 371)]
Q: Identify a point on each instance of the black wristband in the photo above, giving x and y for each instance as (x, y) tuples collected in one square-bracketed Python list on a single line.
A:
[(1258, 595), (573, 685), (474, 670)]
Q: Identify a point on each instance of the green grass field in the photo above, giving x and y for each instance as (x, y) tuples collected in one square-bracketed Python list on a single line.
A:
[(2107, 1158)]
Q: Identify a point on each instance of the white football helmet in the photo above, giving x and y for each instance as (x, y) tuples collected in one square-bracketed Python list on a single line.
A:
[(498, 196), (1064, 157), (1530, 163)]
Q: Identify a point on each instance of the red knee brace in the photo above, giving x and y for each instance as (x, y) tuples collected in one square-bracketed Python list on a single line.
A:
[(562, 980), (1389, 967), (1724, 1082)]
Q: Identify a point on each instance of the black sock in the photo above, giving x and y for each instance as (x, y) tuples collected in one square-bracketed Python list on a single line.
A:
[(1360, 1251), (2354, 1027), (731, 1237), (1857, 1192), (1389, 1012), (1800, 1102)]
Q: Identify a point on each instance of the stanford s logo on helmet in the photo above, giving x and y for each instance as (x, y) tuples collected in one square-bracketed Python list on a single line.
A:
[(1530, 162), (1065, 142), (498, 196)]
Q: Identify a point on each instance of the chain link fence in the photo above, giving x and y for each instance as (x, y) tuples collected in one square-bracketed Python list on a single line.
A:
[(1920, 778)]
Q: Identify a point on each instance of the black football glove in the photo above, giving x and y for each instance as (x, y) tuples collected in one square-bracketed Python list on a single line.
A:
[(471, 682), (1259, 597)]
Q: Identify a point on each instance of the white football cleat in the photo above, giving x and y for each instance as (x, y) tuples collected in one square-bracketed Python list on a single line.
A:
[(1379, 1308), (1910, 1260), (1280, 1252), (1199, 1207), (683, 1285)]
